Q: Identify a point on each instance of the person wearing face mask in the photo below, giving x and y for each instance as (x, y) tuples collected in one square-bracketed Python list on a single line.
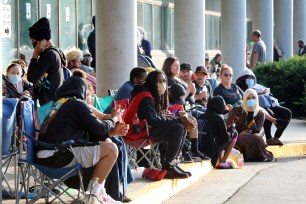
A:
[(249, 119), (150, 102), (46, 67), (247, 79), (14, 85)]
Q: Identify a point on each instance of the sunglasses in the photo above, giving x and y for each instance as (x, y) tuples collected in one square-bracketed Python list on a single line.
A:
[(200, 74), (226, 75)]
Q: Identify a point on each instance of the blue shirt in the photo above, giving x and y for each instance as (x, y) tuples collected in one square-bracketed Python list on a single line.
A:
[(123, 92)]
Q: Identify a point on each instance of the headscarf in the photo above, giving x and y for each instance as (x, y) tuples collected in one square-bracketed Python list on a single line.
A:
[(40, 30), (244, 102)]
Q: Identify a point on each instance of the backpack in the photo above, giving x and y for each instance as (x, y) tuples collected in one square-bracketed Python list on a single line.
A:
[(67, 73), (202, 122)]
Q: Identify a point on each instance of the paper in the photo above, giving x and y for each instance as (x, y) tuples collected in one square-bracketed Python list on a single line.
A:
[(48, 16), (67, 9), (6, 28), (28, 11)]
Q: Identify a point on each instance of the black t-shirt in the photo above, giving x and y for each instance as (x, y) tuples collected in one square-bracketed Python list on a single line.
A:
[(231, 96)]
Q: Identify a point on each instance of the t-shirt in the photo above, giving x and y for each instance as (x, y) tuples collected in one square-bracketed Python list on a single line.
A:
[(200, 88), (231, 96), (260, 48)]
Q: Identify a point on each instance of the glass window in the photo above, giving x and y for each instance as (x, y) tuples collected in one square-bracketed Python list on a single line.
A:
[(28, 16), (148, 21), (67, 24), (94, 3), (166, 45), (49, 9), (172, 29), (208, 32), (157, 38), (248, 31), (84, 22), (140, 14), (9, 37), (215, 33)]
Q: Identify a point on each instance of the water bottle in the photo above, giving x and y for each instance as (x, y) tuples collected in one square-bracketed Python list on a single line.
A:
[(136, 124)]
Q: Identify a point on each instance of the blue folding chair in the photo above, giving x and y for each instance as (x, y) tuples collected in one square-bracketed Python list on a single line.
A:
[(9, 149), (28, 166)]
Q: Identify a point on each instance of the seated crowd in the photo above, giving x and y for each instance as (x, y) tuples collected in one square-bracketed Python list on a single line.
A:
[(170, 101)]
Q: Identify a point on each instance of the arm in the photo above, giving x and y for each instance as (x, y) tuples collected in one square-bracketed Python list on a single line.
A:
[(222, 133), (146, 110), (259, 121), (40, 66), (231, 116), (255, 59)]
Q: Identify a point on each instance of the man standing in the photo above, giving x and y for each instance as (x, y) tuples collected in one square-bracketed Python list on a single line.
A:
[(259, 49), (45, 69), (302, 49), (91, 42)]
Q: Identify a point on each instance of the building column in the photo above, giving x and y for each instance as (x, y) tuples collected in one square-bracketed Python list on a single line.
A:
[(116, 33), (233, 34), (189, 31), (299, 19), (283, 15), (262, 19), (1, 36)]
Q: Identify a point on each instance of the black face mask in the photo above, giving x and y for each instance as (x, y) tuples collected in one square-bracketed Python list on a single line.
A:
[(34, 44)]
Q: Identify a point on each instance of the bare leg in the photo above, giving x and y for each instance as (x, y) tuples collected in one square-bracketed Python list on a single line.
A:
[(108, 156), (227, 151), (193, 133)]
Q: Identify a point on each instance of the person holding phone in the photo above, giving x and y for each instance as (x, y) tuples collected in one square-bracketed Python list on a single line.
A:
[(46, 67), (249, 119)]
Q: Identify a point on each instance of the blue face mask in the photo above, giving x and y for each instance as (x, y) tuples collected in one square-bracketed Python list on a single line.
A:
[(250, 82), (14, 78), (251, 103)]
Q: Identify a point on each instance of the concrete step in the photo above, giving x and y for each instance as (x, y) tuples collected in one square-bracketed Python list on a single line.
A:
[(144, 191)]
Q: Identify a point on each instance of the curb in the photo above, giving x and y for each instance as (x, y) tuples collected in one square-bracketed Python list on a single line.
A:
[(288, 150), (160, 191)]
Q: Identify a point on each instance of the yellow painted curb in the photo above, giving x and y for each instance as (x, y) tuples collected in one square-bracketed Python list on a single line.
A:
[(157, 192), (288, 150)]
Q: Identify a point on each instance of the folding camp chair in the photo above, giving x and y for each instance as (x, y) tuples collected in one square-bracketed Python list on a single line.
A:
[(9, 147), (30, 169), (112, 92), (143, 148)]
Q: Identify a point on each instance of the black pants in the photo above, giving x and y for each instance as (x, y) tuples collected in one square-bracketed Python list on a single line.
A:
[(172, 138), (276, 112)]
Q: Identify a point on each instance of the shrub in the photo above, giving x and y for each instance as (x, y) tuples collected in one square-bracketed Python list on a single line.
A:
[(287, 80)]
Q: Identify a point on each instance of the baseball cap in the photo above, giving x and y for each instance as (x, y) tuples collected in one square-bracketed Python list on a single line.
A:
[(178, 92), (185, 66), (201, 69), (86, 52)]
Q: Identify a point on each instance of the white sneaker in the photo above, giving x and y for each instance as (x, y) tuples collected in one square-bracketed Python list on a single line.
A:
[(138, 172), (89, 199), (107, 199)]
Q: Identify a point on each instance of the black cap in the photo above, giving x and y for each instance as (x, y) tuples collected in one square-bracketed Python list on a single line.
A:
[(185, 66), (178, 92), (40, 30), (201, 69)]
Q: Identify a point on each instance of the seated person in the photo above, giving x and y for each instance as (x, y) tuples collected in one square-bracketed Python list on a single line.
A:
[(150, 103), (249, 121), (171, 68), (217, 141), (14, 86), (203, 88), (86, 63), (247, 79), (137, 76), (74, 56), (215, 65), (176, 102), (63, 123), (186, 77)]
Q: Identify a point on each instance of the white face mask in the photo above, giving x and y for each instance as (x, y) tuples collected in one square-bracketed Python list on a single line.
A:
[(161, 88), (14, 78)]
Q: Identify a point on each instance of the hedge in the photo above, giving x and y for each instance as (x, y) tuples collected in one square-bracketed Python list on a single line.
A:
[(287, 80)]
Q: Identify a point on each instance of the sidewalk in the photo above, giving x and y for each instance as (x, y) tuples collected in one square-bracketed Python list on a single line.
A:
[(144, 191)]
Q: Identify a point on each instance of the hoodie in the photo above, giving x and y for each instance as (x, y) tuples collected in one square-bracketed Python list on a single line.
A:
[(215, 137), (74, 120), (241, 81)]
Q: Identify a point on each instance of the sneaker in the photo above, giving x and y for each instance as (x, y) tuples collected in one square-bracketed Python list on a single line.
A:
[(138, 172), (281, 123), (107, 199), (223, 166), (273, 141), (187, 158), (199, 155), (182, 170), (174, 173), (89, 199), (279, 142), (154, 174), (270, 159)]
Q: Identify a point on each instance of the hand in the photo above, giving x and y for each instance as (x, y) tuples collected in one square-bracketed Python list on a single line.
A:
[(39, 48), (191, 87), (117, 113), (229, 106), (245, 132), (26, 92), (121, 129), (188, 123)]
